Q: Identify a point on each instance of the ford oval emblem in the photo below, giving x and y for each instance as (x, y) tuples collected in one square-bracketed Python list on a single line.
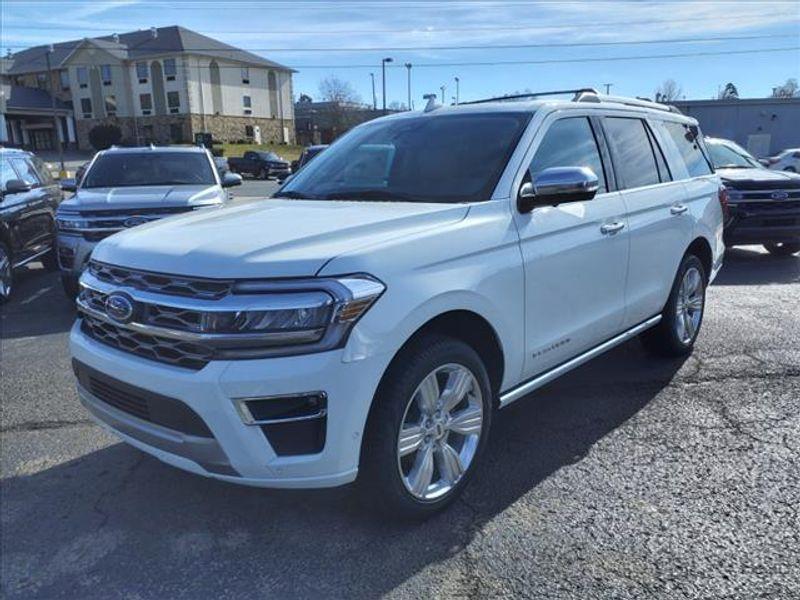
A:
[(779, 195), (119, 307), (134, 221)]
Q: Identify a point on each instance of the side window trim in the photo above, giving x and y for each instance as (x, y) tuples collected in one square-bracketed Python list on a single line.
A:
[(605, 153), (657, 151)]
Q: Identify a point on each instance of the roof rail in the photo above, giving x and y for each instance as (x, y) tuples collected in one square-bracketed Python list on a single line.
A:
[(641, 102), (576, 94)]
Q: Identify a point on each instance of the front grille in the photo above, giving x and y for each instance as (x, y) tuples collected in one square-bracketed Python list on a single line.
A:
[(182, 354), (157, 315), (212, 289), (142, 404), (773, 206)]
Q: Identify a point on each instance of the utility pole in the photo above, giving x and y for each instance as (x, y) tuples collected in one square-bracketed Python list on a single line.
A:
[(443, 88), (56, 125), (374, 97), (408, 66), (383, 71), (608, 87), (457, 90)]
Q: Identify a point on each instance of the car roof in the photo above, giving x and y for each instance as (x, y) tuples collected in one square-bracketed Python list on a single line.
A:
[(4, 150), (144, 149)]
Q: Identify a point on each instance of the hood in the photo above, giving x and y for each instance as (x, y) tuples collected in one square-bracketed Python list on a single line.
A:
[(755, 178), (269, 238), (155, 196)]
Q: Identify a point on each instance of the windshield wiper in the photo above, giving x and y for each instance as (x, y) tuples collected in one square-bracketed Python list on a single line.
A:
[(293, 195), (375, 195)]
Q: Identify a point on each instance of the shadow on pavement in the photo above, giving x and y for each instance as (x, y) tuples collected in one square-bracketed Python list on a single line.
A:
[(38, 305), (116, 520), (755, 266)]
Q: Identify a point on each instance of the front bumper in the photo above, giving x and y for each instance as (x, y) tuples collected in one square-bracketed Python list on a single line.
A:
[(758, 225), (240, 452)]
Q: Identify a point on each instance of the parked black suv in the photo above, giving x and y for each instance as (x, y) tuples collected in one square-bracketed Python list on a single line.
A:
[(28, 201), (259, 164), (764, 205)]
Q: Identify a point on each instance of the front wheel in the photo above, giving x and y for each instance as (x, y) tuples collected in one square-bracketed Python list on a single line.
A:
[(70, 285), (682, 316), (783, 248), (6, 274), (428, 427)]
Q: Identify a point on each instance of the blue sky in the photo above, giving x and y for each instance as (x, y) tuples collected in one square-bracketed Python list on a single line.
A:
[(311, 35)]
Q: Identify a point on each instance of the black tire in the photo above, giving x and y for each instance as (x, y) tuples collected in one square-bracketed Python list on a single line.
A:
[(70, 285), (50, 260), (664, 339), (380, 476), (782, 248), (263, 174), (791, 169), (6, 274)]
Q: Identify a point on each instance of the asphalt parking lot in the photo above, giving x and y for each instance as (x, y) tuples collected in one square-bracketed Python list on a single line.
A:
[(629, 478)]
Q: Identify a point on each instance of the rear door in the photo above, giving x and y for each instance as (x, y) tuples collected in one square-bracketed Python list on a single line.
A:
[(575, 254), (660, 227), (31, 216)]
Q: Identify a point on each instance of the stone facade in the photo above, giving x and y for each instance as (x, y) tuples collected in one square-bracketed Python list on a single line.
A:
[(232, 129)]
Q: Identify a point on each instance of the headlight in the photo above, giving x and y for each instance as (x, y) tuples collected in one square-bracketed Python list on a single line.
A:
[(734, 195), (67, 222)]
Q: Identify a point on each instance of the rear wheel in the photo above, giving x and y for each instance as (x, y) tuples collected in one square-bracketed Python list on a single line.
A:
[(783, 248), (6, 274), (682, 316), (427, 429), (263, 174)]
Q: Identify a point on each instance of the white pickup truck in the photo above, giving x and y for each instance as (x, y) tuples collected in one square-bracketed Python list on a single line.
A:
[(426, 270)]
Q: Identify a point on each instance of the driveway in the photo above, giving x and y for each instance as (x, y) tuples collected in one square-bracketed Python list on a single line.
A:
[(629, 478)]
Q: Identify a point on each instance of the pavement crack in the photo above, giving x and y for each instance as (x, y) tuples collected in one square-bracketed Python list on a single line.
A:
[(45, 425)]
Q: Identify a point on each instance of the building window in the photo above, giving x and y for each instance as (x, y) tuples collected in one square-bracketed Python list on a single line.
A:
[(63, 77), (246, 75), (86, 108), (174, 102), (111, 106), (83, 77), (105, 74), (170, 69), (248, 131), (248, 105), (142, 72), (176, 133), (146, 102), (41, 81)]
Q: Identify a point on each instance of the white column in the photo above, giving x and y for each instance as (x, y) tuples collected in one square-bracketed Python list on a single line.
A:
[(26, 140), (3, 129), (60, 130), (70, 130)]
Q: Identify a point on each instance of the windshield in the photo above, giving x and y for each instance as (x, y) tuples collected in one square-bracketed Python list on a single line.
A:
[(269, 156), (729, 157), (426, 158), (128, 169)]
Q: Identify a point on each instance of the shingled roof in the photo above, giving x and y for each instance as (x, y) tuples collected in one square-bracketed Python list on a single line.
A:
[(136, 45)]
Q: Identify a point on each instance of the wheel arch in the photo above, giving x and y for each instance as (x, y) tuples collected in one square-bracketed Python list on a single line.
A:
[(701, 248)]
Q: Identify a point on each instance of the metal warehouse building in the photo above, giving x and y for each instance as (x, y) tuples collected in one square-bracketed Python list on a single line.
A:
[(764, 126)]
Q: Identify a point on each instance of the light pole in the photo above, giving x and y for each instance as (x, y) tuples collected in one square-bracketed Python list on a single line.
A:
[(457, 89), (374, 98), (56, 124), (383, 72), (408, 66), (608, 87), (443, 88)]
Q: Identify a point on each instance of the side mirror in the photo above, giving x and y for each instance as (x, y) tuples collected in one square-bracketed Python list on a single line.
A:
[(231, 180), (558, 185), (17, 186), (69, 185)]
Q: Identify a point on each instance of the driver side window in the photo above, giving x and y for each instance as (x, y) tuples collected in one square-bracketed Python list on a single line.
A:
[(569, 142)]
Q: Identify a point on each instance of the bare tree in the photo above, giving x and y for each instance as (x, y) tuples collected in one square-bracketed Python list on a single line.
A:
[(790, 89), (729, 92), (669, 91), (397, 106), (333, 89)]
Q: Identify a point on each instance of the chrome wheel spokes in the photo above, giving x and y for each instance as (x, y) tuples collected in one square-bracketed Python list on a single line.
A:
[(5, 275), (689, 307), (440, 431)]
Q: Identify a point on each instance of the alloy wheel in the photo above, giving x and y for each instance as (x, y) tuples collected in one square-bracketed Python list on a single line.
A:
[(689, 307), (440, 432), (5, 274)]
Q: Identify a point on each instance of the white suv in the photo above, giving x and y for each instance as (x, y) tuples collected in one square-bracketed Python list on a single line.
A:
[(424, 271)]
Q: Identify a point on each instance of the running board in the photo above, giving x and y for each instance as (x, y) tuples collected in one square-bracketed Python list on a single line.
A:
[(32, 258), (526, 388)]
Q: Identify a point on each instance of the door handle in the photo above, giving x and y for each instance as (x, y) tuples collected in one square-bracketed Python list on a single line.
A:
[(678, 209), (612, 228)]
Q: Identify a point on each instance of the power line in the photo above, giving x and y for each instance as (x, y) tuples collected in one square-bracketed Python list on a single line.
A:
[(77, 44), (436, 29)]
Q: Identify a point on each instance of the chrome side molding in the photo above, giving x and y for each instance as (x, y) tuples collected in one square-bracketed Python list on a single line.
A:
[(526, 388)]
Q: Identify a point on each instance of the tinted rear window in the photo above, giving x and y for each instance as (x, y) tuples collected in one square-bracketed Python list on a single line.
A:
[(687, 140), (427, 158), (633, 154)]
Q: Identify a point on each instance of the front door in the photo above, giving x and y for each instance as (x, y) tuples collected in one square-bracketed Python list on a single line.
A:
[(575, 254)]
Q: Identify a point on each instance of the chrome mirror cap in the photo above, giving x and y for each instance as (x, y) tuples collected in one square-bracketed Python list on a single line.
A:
[(558, 185)]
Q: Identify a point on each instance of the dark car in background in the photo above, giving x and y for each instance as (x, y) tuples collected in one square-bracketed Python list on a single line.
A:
[(259, 164), (764, 205), (29, 199), (305, 158)]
